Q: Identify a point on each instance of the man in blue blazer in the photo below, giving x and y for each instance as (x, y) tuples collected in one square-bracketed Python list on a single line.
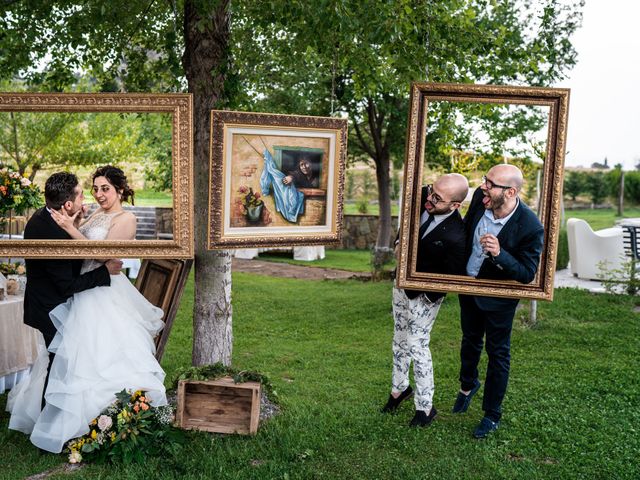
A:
[(441, 249), (504, 242)]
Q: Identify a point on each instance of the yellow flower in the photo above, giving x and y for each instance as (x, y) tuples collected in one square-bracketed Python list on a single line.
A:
[(94, 434), (113, 436)]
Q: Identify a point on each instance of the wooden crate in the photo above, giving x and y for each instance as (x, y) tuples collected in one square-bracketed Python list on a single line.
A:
[(220, 406)]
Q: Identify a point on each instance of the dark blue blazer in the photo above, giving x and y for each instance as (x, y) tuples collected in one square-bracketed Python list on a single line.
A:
[(520, 249)]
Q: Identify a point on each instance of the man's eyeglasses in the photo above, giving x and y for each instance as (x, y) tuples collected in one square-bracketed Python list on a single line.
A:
[(491, 185), (435, 198)]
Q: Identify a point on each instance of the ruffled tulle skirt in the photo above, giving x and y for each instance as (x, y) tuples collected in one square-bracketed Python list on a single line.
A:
[(105, 343)]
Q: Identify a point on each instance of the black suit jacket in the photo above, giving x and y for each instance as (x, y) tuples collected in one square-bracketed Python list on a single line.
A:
[(442, 250), (51, 282), (520, 249)]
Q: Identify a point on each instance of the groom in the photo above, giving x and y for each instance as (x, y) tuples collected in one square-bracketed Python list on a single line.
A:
[(51, 282)]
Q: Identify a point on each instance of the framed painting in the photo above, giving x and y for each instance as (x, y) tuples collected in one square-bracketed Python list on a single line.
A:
[(467, 128), (276, 180), (143, 134)]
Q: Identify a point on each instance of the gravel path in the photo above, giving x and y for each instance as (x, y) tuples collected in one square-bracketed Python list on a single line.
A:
[(274, 269)]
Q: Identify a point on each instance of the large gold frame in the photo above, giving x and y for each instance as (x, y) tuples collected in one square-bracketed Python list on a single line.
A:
[(219, 203), (421, 94), (181, 107)]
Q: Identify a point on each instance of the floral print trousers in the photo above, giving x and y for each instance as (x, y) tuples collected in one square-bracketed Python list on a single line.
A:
[(413, 321)]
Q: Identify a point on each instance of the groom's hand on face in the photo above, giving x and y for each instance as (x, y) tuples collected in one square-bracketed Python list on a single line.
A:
[(114, 266)]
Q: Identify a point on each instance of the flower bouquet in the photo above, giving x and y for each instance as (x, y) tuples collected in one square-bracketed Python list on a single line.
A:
[(17, 193), (129, 430), (12, 268)]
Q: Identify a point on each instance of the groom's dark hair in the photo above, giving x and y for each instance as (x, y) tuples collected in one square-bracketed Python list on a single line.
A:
[(59, 188)]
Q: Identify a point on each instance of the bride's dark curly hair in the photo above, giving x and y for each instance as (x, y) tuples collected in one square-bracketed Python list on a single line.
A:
[(118, 179)]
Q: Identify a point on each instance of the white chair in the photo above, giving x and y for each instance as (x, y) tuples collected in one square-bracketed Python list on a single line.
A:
[(246, 253), (592, 254), (308, 254)]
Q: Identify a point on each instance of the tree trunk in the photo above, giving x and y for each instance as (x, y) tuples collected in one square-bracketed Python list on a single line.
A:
[(621, 194), (205, 61), (383, 251)]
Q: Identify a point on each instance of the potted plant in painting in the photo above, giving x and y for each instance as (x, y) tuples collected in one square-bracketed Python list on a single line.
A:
[(251, 203)]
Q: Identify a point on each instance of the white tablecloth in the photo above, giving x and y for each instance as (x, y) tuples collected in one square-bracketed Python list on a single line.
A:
[(18, 343)]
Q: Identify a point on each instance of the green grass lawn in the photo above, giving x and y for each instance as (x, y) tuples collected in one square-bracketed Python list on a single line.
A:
[(602, 218), (145, 198), (372, 208), (571, 410)]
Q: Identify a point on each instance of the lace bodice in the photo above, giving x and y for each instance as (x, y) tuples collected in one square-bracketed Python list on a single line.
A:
[(96, 228)]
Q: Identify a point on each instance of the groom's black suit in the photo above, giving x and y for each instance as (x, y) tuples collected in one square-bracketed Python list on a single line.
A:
[(442, 250), (51, 282)]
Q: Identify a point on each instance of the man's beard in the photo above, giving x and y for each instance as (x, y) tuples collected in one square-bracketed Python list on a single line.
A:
[(496, 202)]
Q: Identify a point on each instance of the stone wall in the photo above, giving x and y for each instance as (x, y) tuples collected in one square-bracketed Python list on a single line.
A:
[(361, 231)]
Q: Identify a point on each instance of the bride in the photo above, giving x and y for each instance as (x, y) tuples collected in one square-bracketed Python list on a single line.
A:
[(104, 341)]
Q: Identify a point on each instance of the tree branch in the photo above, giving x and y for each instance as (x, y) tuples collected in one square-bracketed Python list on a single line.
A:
[(365, 146)]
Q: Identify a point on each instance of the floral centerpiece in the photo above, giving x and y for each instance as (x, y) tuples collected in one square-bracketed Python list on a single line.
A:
[(17, 194), (129, 430), (10, 268)]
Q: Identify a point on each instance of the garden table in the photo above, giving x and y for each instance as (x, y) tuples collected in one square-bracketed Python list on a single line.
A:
[(18, 342)]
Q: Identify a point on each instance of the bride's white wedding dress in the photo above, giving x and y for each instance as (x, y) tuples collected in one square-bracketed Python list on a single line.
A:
[(104, 343)]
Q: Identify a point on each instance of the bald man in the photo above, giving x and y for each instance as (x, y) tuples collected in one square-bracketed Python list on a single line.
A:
[(441, 250), (504, 242)]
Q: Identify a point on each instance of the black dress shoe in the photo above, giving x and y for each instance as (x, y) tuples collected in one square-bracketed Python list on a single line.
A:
[(463, 401), (421, 419), (393, 403)]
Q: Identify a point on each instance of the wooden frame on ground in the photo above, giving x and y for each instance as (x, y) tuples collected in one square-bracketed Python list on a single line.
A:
[(426, 95), (275, 180), (162, 282), (180, 107)]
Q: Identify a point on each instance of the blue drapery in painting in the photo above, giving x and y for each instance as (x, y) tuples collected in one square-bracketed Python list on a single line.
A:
[(289, 201)]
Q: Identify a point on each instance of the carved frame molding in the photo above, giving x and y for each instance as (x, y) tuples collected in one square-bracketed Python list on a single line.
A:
[(180, 106), (557, 100)]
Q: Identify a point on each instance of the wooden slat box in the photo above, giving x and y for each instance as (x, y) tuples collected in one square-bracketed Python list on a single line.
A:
[(220, 406)]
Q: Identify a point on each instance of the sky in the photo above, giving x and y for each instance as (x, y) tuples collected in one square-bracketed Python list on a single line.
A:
[(604, 105)]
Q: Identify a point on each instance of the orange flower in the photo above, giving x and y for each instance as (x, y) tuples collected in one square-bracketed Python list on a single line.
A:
[(136, 407), (144, 406)]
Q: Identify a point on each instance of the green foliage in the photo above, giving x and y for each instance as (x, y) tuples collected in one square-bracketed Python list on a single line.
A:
[(363, 206), (631, 185), (365, 69), (218, 370), (31, 141), (574, 184), (562, 260), (129, 430), (596, 187), (624, 279)]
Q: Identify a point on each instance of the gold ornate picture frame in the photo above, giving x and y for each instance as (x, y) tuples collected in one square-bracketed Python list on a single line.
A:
[(428, 97), (275, 180), (180, 108)]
